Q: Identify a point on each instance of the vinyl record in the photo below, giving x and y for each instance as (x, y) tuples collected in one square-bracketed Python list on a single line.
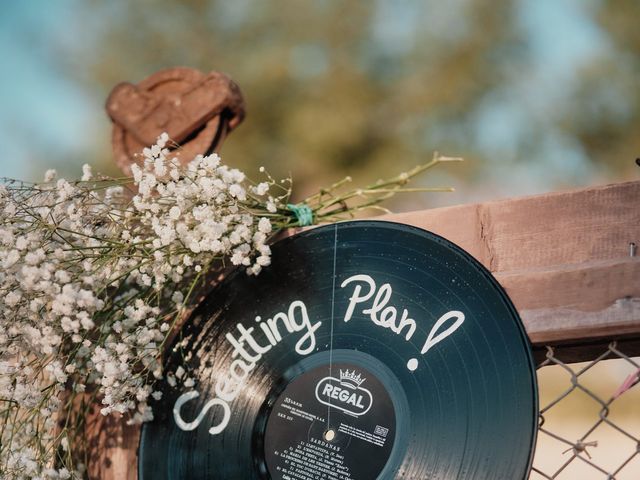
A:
[(365, 350)]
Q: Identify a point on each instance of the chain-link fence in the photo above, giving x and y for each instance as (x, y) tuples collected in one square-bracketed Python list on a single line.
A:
[(589, 417)]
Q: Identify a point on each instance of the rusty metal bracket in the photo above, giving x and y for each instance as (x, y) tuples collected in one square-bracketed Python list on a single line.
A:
[(197, 110)]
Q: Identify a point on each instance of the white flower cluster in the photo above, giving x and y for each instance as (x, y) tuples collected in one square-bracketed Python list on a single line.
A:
[(204, 211), (92, 278)]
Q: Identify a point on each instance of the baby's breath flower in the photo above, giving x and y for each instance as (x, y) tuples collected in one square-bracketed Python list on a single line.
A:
[(50, 175), (86, 173), (92, 279), (264, 225), (261, 189)]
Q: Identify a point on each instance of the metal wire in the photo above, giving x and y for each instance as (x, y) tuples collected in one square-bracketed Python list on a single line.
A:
[(577, 454)]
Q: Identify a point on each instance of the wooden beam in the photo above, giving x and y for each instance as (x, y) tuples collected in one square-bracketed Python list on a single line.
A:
[(563, 258)]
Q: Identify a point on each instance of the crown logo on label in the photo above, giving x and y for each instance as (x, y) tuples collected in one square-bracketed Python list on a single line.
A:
[(351, 379)]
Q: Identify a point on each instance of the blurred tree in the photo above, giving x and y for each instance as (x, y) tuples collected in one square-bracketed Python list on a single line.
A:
[(606, 113), (332, 87), (368, 88)]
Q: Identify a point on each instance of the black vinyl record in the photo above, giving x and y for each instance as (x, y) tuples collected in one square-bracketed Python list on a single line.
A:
[(366, 350)]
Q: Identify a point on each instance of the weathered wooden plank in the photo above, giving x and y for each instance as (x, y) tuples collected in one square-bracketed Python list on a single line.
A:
[(542, 231), (563, 258), (584, 302)]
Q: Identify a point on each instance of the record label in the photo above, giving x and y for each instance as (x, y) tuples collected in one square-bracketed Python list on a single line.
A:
[(323, 424), (366, 350)]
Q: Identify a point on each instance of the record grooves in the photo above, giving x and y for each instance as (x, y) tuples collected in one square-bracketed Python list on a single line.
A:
[(366, 350)]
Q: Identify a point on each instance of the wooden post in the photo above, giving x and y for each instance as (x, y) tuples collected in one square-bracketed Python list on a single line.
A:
[(197, 110)]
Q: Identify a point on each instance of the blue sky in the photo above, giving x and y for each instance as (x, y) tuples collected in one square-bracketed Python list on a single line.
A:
[(42, 110)]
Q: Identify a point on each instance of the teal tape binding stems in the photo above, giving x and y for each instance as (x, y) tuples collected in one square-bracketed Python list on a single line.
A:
[(303, 213)]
